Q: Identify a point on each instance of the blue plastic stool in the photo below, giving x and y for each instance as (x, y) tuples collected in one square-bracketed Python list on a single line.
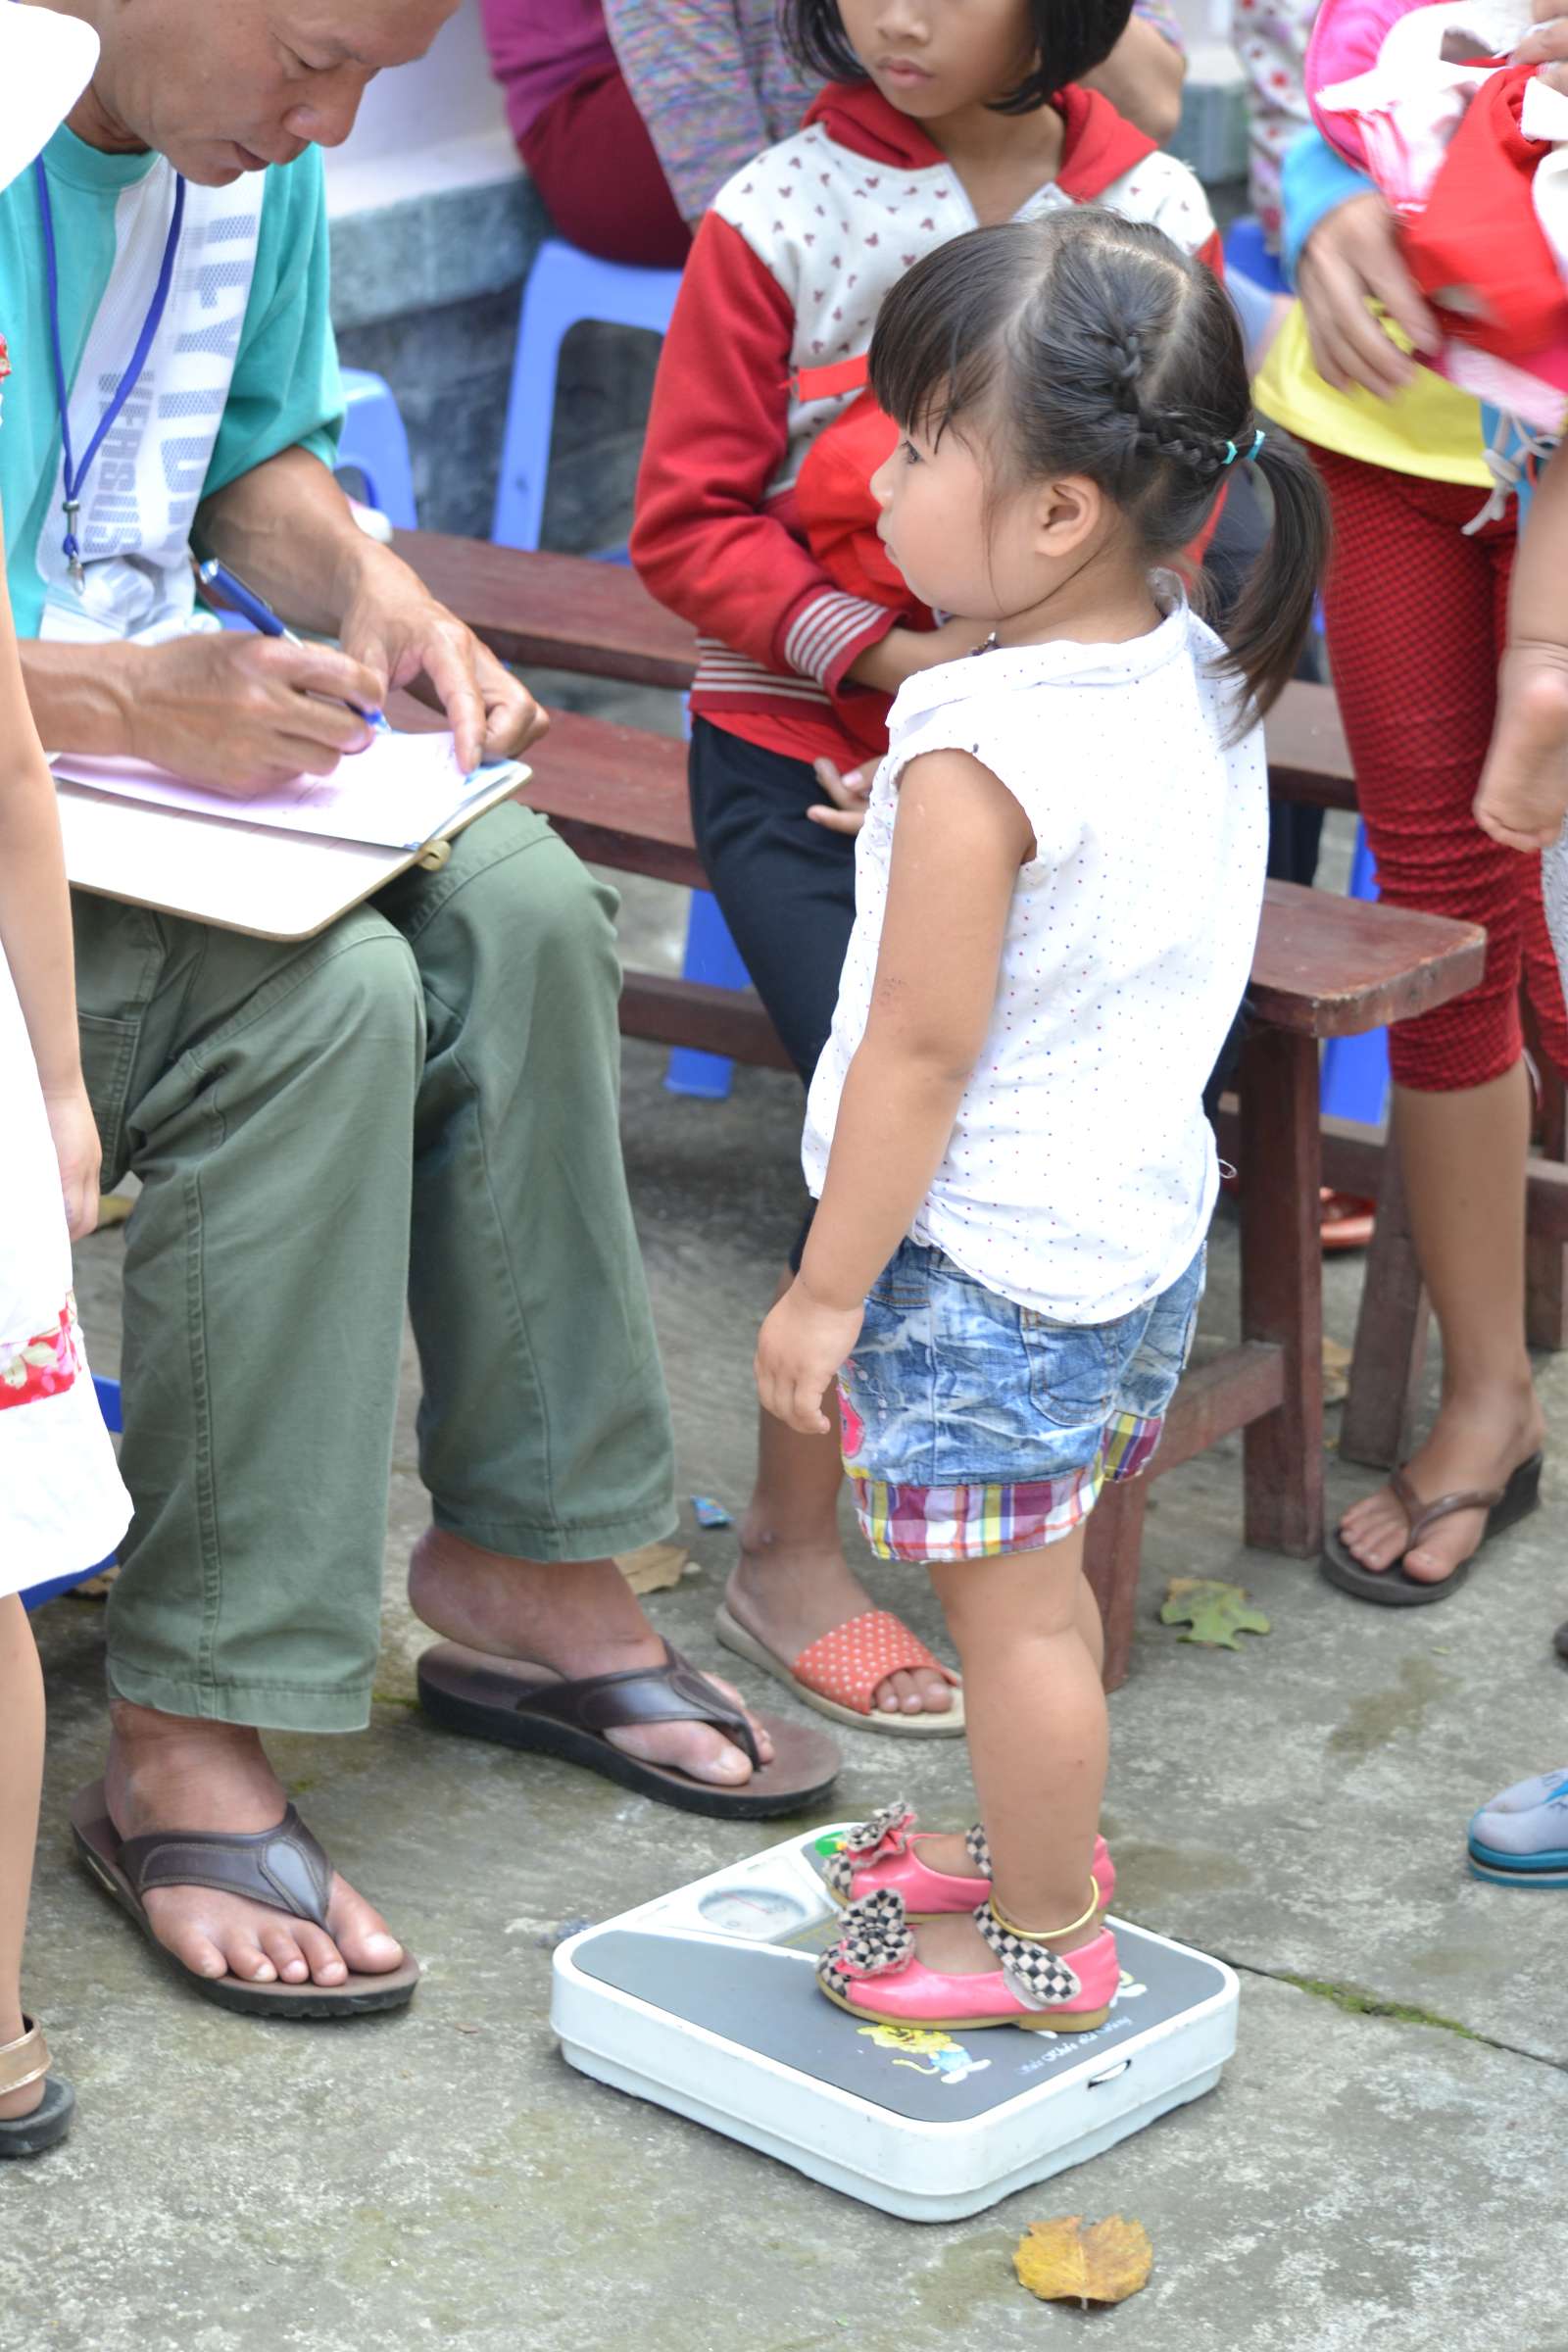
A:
[(376, 446), (1354, 1079), (36, 1595), (566, 287)]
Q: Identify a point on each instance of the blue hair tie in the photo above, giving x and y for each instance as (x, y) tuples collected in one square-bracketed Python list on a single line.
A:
[(1232, 452)]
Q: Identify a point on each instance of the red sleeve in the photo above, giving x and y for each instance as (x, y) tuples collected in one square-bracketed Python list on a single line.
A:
[(717, 435), (1212, 251)]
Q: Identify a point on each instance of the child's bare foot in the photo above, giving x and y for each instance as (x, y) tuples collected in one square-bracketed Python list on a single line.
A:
[(1524, 786), (787, 1595), (955, 1947)]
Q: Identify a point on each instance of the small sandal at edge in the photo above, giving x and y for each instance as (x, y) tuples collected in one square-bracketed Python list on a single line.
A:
[(1390, 1587), (840, 1673), (24, 2062), (882, 1853)]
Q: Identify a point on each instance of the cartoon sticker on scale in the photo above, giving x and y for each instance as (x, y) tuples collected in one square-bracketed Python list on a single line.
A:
[(947, 2058)]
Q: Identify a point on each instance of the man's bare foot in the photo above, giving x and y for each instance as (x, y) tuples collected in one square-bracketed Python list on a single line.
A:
[(787, 1595), (1476, 1442), (169, 1772), (578, 1618)]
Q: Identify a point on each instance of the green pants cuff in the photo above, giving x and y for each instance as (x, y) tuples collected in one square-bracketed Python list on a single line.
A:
[(585, 1540), (267, 1707)]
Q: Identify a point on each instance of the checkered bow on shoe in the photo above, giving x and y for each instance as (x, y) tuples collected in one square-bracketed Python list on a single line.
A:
[(876, 1939), (886, 1833), (977, 1846), (1040, 1977)]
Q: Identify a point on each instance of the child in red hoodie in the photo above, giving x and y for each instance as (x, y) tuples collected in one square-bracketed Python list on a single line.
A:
[(940, 117)]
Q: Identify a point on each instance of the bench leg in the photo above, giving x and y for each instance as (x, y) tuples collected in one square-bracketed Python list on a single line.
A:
[(1111, 1557), (1282, 1286)]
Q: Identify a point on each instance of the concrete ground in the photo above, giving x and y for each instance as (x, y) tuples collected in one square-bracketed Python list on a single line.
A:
[(1383, 2165)]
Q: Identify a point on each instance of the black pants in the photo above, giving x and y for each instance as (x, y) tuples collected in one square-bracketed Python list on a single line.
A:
[(785, 886)]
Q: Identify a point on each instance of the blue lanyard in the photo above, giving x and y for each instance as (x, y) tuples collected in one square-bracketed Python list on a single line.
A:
[(76, 475)]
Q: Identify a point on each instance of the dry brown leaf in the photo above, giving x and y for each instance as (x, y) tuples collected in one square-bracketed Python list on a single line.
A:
[(1336, 1372), (656, 1567), (1069, 2261)]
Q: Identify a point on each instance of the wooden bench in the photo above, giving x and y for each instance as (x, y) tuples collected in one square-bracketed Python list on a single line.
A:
[(1326, 966)]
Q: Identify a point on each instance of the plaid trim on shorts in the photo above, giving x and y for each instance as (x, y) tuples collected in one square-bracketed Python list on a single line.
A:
[(978, 1522)]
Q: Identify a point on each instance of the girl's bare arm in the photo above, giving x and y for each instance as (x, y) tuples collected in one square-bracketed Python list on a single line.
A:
[(960, 839)]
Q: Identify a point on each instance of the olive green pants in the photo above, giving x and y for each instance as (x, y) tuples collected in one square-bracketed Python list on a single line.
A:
[(419, 1103)]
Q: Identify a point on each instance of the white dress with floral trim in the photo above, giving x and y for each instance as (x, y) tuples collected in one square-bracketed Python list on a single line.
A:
[(61, 1504)]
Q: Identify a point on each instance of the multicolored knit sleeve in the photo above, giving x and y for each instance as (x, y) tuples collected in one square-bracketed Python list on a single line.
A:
[(712, 81), (1163, 18)]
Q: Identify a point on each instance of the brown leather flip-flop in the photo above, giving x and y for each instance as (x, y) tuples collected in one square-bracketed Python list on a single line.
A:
[(1390, 1587), (282, 1867), (528, 1707)]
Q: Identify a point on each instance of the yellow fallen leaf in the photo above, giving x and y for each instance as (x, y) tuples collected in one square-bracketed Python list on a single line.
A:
[(113, 1210), (1067, 2260), (656, 1567)]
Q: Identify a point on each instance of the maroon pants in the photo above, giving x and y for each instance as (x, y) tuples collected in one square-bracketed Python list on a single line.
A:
[(591, 159), (1417, 618)]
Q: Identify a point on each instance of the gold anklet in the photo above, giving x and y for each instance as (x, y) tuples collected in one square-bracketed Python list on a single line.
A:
[(1047, 1935)]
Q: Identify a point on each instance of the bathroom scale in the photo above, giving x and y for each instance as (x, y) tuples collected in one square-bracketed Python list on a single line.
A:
[(705, 2001)]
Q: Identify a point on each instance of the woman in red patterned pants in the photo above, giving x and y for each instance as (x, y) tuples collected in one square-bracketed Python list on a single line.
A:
[(1416, 617)]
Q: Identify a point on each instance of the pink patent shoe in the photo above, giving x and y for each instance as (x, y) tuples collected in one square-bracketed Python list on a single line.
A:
[(883, 1853), (873, 1972)]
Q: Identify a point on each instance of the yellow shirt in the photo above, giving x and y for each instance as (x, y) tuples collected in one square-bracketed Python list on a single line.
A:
[(1431, 428)]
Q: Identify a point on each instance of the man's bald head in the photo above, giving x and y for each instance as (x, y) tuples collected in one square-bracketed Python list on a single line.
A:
[(225, 86)]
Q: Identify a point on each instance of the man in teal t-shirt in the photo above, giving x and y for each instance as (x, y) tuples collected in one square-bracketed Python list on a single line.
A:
[(418, 1103)]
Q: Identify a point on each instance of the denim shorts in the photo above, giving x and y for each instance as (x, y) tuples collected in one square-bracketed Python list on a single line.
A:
[(975, 1425)]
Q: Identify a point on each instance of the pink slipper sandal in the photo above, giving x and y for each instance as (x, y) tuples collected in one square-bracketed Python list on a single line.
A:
[(840, 1673), (873, 1972), (883, 1853)]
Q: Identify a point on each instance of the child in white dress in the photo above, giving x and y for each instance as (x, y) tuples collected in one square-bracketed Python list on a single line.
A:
[(1057, 890), (61, 1504)]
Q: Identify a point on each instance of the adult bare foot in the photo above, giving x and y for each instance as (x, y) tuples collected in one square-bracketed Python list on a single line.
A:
[(788, 1594), (169, 1772), (1476, 1443), (578, 1618)]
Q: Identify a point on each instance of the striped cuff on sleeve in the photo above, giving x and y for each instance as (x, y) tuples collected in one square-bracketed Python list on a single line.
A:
[(826, 633)]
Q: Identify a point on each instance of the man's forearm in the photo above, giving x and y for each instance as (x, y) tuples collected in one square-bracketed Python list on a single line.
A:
[(80, 695), (288, 531)]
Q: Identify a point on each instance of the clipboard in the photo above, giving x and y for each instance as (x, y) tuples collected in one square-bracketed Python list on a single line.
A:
[(237, 876)]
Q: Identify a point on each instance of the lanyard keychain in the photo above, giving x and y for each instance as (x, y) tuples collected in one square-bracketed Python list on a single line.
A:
[(74, 475)]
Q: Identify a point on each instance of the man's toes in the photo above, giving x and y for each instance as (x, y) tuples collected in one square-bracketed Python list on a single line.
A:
[(246, 1958), (322, 1956), (198, 1952), (694, 1748), (765, 1746), (285, 1955), (363, 1943)]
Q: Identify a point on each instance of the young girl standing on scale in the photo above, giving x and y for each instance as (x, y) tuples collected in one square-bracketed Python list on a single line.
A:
[(1057, 894), (941, 114), (62, 1504)]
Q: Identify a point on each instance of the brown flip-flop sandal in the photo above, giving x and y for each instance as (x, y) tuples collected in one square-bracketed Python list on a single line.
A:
[(282, 1867), (528, 1706), (1390, 1587)]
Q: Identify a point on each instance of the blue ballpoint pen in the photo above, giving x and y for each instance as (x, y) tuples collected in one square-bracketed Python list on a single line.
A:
[(254, 608)]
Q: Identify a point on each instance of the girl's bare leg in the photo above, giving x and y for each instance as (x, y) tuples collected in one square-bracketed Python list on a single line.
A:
[(1038, 1738), (20, 1776)]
